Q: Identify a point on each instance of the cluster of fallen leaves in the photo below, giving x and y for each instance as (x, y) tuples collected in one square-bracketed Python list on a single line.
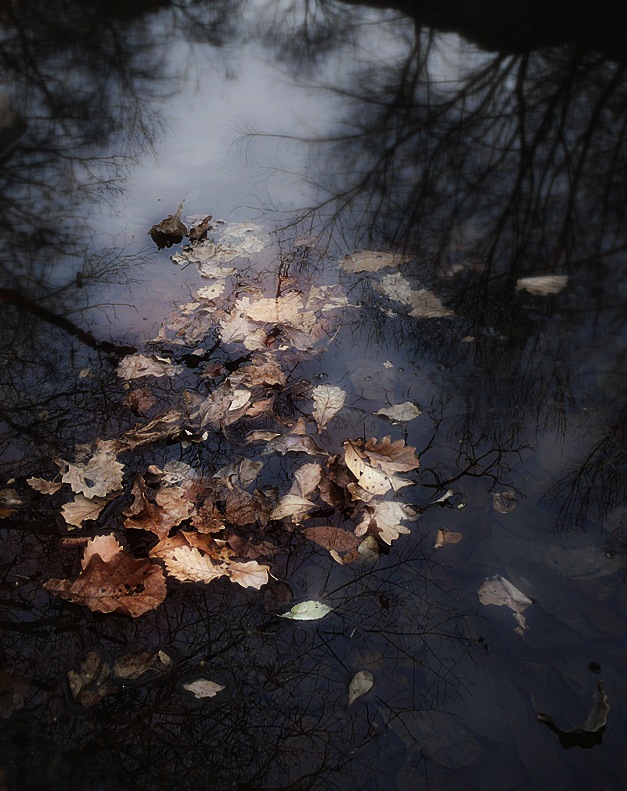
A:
[(201, 527)]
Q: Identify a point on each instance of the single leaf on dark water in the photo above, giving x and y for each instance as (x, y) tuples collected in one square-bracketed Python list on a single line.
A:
[(169, 231)]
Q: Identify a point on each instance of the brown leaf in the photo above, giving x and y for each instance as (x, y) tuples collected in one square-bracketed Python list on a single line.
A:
[(107, 547), (171, 507), (135, 366), (92, 681), (391, 456), (328, 400), (188, 564), (249, 574), (291, 505), (42, 486), (370, 478), (446, 537), (262, 370), (207, 518), (332, 538), (169, 231), (384, 518), (139, 401), (306, 479), (136, 663), (162, 427), (199, 232), (124, 585), (292, 443)]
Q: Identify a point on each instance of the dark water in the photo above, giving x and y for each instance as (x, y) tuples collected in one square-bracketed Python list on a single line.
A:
[(338, 128)]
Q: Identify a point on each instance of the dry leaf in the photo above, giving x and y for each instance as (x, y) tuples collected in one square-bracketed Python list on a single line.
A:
[(139, 401), (189, 565), (542, 284), (82, 509), (124, 584), (97, 477), (391, 456), (328, 400), (171, 507), (249, 574), (401, 413), (306, 479), (361, 683), (307, 611), (384, 518), (293, 443), (502, 592), (369, 478), (371, 261), (42, 486), (107, 547), (198, 233)]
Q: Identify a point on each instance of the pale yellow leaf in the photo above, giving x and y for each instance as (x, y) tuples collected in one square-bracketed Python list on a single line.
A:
[(401, 413), (542, 285), (328, 400), (203, 688), (307, 611)]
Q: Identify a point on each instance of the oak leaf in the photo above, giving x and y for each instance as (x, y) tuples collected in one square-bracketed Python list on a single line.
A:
[(391, 456), (124, 585), (160, 428), (95, 478), (107, 547), (42, 486), (83, 508)]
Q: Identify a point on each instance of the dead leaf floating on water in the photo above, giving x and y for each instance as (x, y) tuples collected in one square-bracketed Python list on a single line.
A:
[(592, 732), (503, 593), (361, 683), (504, 502), (202, 688), (424, 304), (328, 400), (82, 509), (542, 285), (169, 231), (447, 537), (401, 413), (42, 486), (92, 682), (372, 261), (97, 477), (307, 611), (135, 366)]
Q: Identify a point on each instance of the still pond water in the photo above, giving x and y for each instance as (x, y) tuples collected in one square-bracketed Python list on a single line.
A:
[(381, 192)]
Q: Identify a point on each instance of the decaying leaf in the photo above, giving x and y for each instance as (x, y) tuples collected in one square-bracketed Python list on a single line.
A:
[(169, 231), (124, 585), (401, 413), (107, 547), (203, 688), (447, 537), (294, 443), (372, 261), (95, 478), (171, 507), (139, 401), (424, 304), (361, 683), (137, 365), (307, 611), (332, 538), (504, 502), (542, 285), (92, 682), (137, 662), (82, 508), (502, 592), (328, 400), (198, 232), (592, 732), (159, 429), (306, 479), (370, 476), (42, 486), (391, 456)]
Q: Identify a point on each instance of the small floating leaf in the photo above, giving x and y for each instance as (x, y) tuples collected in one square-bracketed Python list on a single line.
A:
[(307, 611), (361, 683)]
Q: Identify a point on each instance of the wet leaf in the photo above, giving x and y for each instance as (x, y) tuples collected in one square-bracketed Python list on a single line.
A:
[(361, 683), (504, 502), (171, 507), (332, 538), (391, 456), (203, 688), (211, 292), (92, 682), (42, 486), (592, 732), (82, 509), (325, 298), (139, 401), (370, 478), (262, 370), (503, 593), (95, 478), (134, 664), (424, 304), (307, 611), (293, 443), (372, 261), (187, 564), (137, 365), (328, 400), (169, 231), (401, 413), (14, 690), (198, 233), (248, 574), (542, 285), (124, 585), (306, 479), (159, 429), (446, 537)]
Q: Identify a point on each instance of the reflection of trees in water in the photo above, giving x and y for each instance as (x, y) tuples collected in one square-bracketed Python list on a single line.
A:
[(282, 721)]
